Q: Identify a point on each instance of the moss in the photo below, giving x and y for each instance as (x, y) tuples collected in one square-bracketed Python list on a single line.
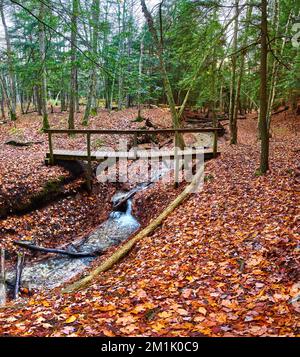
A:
[(51, 188), (258, 173), (98, 143), (93, 112), (208, 177), (138, 119)]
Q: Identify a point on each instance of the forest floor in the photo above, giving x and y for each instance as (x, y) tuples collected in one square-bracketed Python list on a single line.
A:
[(224, 263)]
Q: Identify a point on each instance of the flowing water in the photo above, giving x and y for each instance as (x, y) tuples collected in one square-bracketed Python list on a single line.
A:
[(53, 272)]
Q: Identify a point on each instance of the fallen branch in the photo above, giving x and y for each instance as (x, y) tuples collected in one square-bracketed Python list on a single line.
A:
[(56, 251), (125, 249), (19, 269), (165, 142), (2, 278)]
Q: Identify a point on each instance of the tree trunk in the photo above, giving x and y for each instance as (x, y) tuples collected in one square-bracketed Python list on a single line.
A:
[(237, 104), (140, 77), (167, 84), (232, 118), (263, 127), (43, 66), (275, 67), (77, 97), (10, 64), (121, 53), (213, 107), (93, 72), (38, 99), (3, 115), (29, 99), (72, 100)]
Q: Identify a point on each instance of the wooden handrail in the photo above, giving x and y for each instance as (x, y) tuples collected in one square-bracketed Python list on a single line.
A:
[(136, 132), (131, 131)]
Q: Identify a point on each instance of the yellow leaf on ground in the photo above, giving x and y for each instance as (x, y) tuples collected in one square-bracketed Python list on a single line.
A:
[(71, 319), (165, 314), (158, 326), (106, 308)]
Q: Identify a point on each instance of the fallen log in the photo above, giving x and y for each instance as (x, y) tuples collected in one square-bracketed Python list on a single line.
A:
[(121, 204), (277, 112), (22, 143), (2, 278), (149, 124), (19, 269), (56, 251), (125, 249)]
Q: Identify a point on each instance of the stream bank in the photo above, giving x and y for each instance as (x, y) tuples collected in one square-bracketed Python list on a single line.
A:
[(50, 272)]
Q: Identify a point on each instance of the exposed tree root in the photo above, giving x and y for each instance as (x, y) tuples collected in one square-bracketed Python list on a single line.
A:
[(125, 249)]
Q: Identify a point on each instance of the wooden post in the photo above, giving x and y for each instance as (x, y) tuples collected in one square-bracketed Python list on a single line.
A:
[(215, 143), (135, 145), (2, 278), (176, 162), (89, 165), (50, 148)]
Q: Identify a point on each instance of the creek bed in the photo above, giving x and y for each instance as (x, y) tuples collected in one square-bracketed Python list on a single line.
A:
[(52, 272)]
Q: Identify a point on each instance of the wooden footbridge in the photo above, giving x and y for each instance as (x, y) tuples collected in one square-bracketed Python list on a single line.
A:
[(53, 155)]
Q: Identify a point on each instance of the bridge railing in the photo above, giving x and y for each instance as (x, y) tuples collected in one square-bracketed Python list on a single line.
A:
[(134, 132)]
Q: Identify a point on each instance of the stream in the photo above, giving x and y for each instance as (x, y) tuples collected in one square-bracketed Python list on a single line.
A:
[(52, 272)]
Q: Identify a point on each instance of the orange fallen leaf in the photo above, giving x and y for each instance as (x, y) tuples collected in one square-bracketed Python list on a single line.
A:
[(202, 310)]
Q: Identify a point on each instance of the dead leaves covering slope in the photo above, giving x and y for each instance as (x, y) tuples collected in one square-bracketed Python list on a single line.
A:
[(225, 263)]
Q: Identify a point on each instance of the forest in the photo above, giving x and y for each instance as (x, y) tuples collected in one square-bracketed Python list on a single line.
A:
[(91, 248)]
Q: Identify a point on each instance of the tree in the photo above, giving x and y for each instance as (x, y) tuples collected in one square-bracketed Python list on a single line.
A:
[(240, 75), (263, 126), (10, 65), (73, 78), (91, 99), (232, 108), (167, 84), (43, 85)]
